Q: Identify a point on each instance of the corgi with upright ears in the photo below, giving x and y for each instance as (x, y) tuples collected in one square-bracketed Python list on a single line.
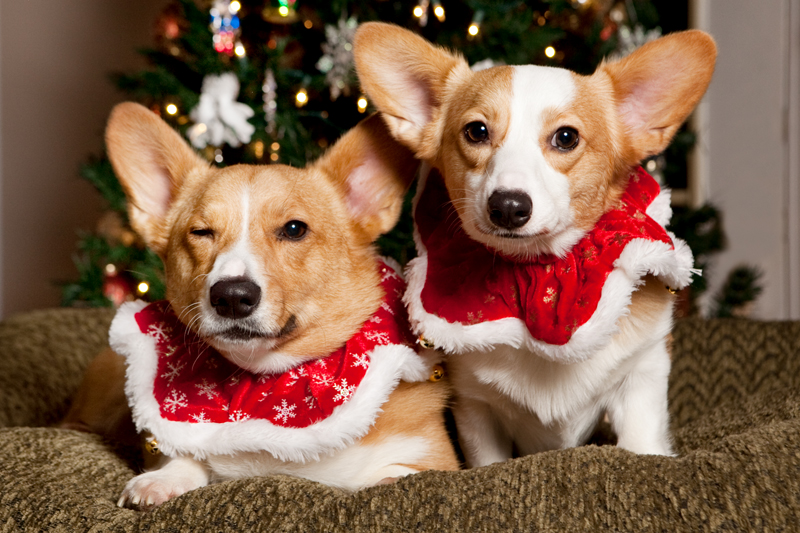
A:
[(544, 266), (283, 346)]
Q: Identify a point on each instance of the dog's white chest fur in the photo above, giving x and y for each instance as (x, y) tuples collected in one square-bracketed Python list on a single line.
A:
[(513, 397)]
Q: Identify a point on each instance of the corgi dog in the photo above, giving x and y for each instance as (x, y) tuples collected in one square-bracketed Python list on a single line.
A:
[(283, 346), (544, 268)]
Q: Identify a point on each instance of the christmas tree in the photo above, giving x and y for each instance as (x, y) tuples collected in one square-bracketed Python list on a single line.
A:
[(258, 82)]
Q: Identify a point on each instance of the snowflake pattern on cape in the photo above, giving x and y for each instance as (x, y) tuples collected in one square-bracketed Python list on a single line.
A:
[(195, 383)]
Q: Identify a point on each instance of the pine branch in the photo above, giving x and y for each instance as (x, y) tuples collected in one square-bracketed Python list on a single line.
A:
[(100, 174), (740, 288)]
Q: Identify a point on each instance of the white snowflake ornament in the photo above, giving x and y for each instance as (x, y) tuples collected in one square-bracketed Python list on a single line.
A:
[(218, 117), (337, 61), (485, 64), (629, 40)]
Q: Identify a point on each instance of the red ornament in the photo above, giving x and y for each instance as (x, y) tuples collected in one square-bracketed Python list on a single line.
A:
[(169, 26), (119, 288), (609, 29)]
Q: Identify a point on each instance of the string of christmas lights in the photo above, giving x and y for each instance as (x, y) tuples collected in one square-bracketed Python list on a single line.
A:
[(271, 81)]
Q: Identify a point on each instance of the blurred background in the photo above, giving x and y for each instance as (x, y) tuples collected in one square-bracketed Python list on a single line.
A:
[(281, 70)]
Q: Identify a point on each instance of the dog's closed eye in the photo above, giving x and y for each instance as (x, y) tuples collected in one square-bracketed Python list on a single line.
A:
[(202, 232)]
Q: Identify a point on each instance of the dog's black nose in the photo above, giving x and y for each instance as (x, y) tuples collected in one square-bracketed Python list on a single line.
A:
[(509, 209), (235, 297)]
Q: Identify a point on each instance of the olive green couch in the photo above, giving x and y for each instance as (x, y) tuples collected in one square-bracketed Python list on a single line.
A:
[(735, 405)]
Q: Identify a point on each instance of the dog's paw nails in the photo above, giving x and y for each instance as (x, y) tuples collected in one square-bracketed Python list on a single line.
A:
[(151, 489)]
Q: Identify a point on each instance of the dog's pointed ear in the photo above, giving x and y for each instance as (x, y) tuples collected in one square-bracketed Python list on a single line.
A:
[(406, 77), (373, 171), (658, 85), (151, 161)]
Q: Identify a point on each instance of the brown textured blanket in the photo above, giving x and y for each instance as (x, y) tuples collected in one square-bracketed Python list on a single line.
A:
[(735, 406)]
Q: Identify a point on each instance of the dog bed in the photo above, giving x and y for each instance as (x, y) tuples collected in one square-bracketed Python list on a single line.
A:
[(734, 400)]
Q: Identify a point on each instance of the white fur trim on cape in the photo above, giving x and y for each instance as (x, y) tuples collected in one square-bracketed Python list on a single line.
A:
[(348, 422), (671, 266)]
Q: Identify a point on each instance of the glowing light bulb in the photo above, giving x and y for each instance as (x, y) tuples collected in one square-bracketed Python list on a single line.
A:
[(234, 6), (308, 24), (284, 11), (240, 51), (143, 287), (111, 269), (418, 12), (362, 104), (275, 146), (301, 97), (172, 109), (439, 12), (550, 51), (473, 29), (273, 157)]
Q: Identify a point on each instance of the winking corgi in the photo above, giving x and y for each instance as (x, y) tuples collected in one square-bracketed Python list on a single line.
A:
[(282, 346)]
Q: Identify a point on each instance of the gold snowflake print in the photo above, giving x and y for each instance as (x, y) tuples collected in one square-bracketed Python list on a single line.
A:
[(474, 318), (551, 297)]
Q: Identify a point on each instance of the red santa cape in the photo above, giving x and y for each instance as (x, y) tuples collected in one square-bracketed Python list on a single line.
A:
[(196, 402), (463, 296)]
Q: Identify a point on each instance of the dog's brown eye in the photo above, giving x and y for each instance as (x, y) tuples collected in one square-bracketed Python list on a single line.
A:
[(294, 230), (565, 139), (202, 232), (476, 132)]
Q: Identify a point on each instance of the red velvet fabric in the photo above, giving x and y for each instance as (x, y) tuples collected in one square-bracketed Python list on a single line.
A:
[(469, 283), (195, 383)]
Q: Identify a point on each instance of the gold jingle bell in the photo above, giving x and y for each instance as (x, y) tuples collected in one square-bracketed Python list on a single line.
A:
[(425, 343), (437, 373), (151, 446)]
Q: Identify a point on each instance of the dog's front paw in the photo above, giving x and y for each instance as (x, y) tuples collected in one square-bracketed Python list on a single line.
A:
[(151, 489)]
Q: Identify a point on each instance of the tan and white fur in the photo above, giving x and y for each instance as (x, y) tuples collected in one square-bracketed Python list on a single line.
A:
[(241, 222), (532, 157)]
